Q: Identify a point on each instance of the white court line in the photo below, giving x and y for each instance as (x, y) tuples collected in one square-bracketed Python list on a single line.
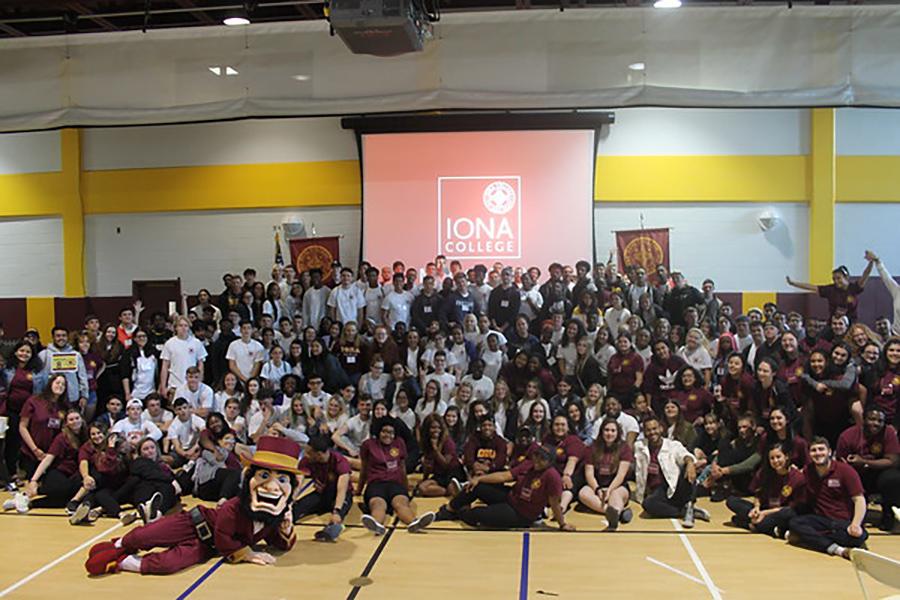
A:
[(713, 590), (676, 571), (50, 565)]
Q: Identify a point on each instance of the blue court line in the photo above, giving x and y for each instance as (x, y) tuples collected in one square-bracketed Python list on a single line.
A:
[(218, 564), (202, 578), (523, 580)]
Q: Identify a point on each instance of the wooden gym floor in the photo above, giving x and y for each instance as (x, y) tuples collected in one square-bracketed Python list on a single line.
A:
[(42, 555)]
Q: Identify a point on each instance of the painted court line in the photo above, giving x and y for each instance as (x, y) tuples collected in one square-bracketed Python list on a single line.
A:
[(523, 577), (713, 590), (50, 565), (676, 571), (201, 579)]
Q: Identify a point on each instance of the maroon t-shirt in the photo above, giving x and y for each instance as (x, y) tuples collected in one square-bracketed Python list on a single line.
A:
[(325, 475), (659, 379), (491, 453), (605, 468), (431, 466), (623, 370), (521, 453), (43, 426), (831, 495), (799, 449), (92, 364), (847, 299), (384, 463), (655, 476), (571, 445), (694, 403), (738, 391), (887, 394), (790, 373), (780, 490), (854, 441), (21, 388), (65, 457), (533, 489)]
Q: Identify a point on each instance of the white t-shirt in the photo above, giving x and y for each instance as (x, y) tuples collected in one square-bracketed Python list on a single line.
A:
[(626, 422), (536, 297), (346, 301), (187, 432), (182, 354), (398, 306), (374, 298), (423, 409), (699, 358), (374, 386), (202, 398), (164, 417), (408, 417), (357, 431), (273, 373), (134, 432), (446, 382), (144, 376), (246, 355), (482, 389), (492, 363), (310, 402)]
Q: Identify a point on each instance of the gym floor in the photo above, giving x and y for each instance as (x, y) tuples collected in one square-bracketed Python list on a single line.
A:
[(41, 556)]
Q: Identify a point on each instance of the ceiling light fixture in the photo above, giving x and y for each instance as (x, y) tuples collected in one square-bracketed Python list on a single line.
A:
[(638, 66), (217, 71), (236, 21), (667, 4), (300, 77)]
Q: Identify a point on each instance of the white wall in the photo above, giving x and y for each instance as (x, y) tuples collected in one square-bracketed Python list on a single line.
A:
[(867, 131), (674, 131), (29, 152), (229, 143), (862, 226), (199, 247), (32, 263), (721, 241)]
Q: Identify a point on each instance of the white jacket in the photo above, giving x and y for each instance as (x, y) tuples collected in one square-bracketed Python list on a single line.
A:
[(671, 458), (894, 288)]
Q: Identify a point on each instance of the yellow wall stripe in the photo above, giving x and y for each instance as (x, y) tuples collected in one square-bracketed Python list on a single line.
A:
[(328, 183), (701, 179), (821, 203), (40, 313), (73, 214), (756, 300), (32, 195), (868, 178)]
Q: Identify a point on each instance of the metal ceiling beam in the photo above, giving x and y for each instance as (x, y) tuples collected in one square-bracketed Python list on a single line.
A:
[(9, 30), (197, 14), (306, 11), (85, 12)]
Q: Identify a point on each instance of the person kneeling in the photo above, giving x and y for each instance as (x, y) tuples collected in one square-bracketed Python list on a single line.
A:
[(536, 486), (666, 476), (778, 487), (382, 480)]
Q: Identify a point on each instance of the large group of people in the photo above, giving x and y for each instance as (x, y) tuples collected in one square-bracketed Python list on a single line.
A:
[(514, 395)]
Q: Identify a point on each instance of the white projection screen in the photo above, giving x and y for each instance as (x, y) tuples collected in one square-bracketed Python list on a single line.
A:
[(521, 198)]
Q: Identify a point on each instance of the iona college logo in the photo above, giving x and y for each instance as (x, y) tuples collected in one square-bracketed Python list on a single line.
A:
[(480, 217)]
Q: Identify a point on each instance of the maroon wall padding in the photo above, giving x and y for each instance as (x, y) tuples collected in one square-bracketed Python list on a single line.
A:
[(70, 312), (807, 304), (14, 315), (733, 298)]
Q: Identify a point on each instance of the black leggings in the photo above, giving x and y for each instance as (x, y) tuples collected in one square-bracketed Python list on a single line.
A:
[(136, 491), (741, 509), (319, 503), (226, 484), (57, 489), (498, 513), (886, 483), (658, 504), (13, 445)]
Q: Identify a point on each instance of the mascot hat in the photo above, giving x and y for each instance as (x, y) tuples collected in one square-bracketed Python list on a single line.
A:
[(280, 454)]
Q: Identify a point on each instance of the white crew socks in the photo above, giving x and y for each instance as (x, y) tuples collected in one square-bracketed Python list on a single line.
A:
[(131, 563), (836, 550), (118, 543)]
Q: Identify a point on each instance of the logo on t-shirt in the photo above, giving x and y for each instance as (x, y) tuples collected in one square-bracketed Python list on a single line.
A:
[(875, 448), (536, 484), (786, 491), (480, 217), (833, 483), (394, 452)]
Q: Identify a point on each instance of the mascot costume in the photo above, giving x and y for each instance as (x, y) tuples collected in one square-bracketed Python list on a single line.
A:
[(262, 511)]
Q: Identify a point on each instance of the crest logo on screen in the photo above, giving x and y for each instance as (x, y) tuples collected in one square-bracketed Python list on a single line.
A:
[(480, 217)]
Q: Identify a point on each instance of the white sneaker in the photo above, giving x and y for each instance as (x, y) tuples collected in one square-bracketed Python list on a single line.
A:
[(149, 510), (455, 487), (421, 523), (701, 513), (23, 502), (128, 518), (80, 514), (372, 525), (687, 521), (9, 504)]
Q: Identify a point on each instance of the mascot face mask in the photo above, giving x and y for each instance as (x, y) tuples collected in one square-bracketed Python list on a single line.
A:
[(270, 491)]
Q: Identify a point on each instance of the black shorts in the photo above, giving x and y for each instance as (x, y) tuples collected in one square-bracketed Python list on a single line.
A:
[(443, 479), (386, 490)]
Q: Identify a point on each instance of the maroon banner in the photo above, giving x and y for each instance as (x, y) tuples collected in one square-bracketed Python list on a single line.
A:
[(315, 253), (643, 247)]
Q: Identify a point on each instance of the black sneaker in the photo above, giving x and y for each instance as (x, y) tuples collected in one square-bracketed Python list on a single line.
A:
[(625, 516), (72, 506), (444, 514), (149, 510), (718, 495), (612, 518)]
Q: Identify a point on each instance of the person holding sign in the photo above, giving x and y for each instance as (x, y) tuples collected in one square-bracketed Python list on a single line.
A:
[(61, 358)]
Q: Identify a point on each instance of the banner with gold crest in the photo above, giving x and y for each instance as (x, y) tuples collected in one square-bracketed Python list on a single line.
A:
[(315, 253), (643, 247)]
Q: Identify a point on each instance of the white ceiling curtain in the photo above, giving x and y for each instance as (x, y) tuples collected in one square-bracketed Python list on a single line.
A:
[(530, 59)]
